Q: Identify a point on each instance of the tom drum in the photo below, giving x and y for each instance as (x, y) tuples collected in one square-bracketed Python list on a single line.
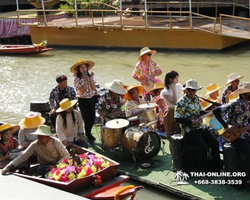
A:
[(111, 138), (141, 144), (149, 117)]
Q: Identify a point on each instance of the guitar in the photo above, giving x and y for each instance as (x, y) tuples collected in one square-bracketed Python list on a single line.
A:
[(149, 86), (194, 117), (234, 133)]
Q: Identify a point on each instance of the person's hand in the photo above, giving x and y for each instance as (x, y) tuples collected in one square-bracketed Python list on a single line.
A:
[(65, 142), (81, 137), (6, 169), (145, 82), (53, 111), (7, 157), (197, 121), (91, 74)]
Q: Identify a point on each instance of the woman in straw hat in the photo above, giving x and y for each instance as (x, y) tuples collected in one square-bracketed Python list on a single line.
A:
[(193, 129), (156, 91), (133, 96), (146, 69), (49, 151), (233, 80), (110, 103), (7, 143), (29, 125), (85, 85), (160, 111), (69, 126)]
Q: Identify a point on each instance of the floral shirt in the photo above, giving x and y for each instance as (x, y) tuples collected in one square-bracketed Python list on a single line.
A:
[(160, 113), (131, 107), (237, 115), (226, 93), (79, 82), (57, 95), (186, 107), (140, 70), (106, 106)]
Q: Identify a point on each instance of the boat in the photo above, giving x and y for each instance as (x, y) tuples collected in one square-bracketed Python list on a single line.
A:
[(47, 3), (25, 49), (109, 187)]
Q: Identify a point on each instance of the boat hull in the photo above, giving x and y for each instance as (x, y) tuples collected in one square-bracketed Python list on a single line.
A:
[(47, 4), (23, 49)]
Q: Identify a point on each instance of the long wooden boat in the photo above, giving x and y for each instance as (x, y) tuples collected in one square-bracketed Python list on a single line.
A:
[(23, 49), (47, 3)]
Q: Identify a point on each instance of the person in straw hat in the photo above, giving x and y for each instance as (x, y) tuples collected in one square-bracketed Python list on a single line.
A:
[(49, 151), (86, 92), (58, 93), (29, 125), (194, 131), (7, 143), (69, 126), (133, 96), (233, 80), (110, 103), (156, 90), (160, 112), (213, 92), (146, 70)]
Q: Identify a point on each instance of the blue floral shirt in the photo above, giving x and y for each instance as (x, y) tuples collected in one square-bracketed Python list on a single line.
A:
[(226, 93), (238, 114), (186, 107)]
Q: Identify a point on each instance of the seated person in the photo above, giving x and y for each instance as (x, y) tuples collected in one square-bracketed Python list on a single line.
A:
[(194, 131), (133, 96), (109, 106), (69, 124), (29, 125), (160, 111), (58, 93), (7, 143), (49, 151), (156, 91), (212, 91)]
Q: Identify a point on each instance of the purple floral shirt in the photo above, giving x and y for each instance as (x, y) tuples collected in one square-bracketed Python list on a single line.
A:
[(226, 93)]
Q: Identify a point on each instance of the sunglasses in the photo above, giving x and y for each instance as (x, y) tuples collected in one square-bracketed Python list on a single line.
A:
[(149, 54), (191, 90), (237, 81)]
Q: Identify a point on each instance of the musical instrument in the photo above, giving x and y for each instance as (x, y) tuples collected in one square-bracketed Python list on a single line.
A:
[(149, 117), (194, 117), (233, 133), (111, 138), (148, 87), (212, 102), (147, 105), (134, 121), (117, 123), (141, 144)]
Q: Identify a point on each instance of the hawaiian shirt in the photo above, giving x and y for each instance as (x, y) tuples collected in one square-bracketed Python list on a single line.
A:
[(186, 107), (237, 115), (79, 82), (107, 105), (160, 113), (131, 107), (140, 70), (57, 95), (226, 93)]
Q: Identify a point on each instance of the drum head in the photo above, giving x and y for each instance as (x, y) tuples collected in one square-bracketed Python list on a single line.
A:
[(148, 146)]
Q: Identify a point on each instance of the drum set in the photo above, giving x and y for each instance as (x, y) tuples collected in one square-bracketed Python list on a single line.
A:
[(135, 136)]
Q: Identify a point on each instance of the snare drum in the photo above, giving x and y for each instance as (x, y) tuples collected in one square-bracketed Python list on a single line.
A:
[(134, 121), (111, 138), (149, 117), (141, 144)]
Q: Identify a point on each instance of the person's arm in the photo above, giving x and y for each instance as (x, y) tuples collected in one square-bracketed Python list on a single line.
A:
[(62, 151), (80, 87), (217, 114), (92, 81), (79, 122), (21, 138)]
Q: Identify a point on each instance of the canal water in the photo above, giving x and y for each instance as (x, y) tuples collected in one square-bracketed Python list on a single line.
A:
[(27, 78)]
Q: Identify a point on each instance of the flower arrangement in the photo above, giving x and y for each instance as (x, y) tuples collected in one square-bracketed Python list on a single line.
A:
[(67, 171)]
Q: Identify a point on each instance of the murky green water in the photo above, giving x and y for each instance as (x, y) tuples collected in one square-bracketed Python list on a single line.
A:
[(27, 78)]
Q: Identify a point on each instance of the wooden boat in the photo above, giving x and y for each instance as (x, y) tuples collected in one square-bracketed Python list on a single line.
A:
[(84, 186), (47, 3), (23, 49)]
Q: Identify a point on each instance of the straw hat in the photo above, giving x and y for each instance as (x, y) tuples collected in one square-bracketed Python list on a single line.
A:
[(192, 84), (116, 86), (145, 50), (66, 104), (212, 88), (31, 120), (232, 97), (243, 88), (232, 77), (43, 130), (74, 68), (157, 86), (205, 105), (11, 127), (139, 88)]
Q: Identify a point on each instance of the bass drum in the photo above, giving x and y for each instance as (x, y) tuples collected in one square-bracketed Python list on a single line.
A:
[(141, 145)]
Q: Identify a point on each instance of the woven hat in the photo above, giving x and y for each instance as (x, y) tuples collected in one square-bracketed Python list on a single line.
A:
[(205, 105), (66, 104), (8, 126), (212, 88), (148, 87), (145, 50), (157, 86), (139, 88), (243, 88), (74, 68), (232, 97), (116, 86), (31, 120), (43, 130), (192, 84), (232, 77)]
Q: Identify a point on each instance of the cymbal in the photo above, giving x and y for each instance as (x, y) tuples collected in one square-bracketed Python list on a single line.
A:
[(117, 123), (147, 105)]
